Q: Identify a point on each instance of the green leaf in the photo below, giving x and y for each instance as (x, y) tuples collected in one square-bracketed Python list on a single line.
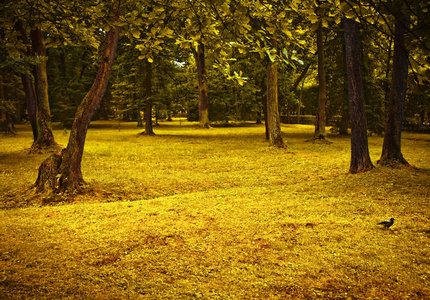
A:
[(168, 32), (135, 33), (271, 57)]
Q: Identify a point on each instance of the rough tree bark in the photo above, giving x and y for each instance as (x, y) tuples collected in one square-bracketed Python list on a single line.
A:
[(273, 120), (45, 137), (360, 158), (48, 171), (320, 117), (391, 149), (148, 102), (69, 177), (199, 56)]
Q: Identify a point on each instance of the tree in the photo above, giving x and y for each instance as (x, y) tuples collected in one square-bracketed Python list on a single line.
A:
[(45, 137), (270, 21), (31, 17), (274, 123), (360, 158), (148, 100), (199, 56), (69, 169), (27, 83), (391, 149)]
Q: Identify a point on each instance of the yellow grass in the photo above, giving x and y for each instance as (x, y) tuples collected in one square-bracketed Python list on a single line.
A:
[(216, 214)]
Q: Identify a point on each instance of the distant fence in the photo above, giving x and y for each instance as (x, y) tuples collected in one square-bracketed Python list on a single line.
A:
[(308, 120), (304, 119)]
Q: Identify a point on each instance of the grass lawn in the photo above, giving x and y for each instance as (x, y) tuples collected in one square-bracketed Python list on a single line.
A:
[(215, 214)]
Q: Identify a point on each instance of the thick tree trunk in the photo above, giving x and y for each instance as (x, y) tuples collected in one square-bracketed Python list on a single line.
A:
[(273, 120), (360, 158), (199, 56), (148, 102), (391, 149), (70, 175), (45, 137), (320, 119), (48, 171), (27, 83)]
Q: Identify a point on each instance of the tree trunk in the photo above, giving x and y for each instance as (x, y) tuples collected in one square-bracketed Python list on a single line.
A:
[(301, 77), (387, 75), (360, 158), (48, 171), (273, 120), (45, 137), (27, 83), (199, 56), (320, 119), (148, 101), (391, 149), (70, 178), (31, 102), (300, 102)]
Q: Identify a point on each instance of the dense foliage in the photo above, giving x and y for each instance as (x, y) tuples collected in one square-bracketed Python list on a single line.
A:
[(236, 35)]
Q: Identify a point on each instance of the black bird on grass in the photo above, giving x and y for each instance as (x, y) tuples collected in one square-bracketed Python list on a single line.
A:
[(387, 223)]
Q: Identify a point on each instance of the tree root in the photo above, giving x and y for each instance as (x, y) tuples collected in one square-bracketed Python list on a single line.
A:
[(48, 171)]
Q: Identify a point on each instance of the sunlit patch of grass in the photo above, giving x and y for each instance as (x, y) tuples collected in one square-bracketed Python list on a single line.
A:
[(217, 214)]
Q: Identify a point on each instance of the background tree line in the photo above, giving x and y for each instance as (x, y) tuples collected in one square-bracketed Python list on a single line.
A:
[(217, 60)]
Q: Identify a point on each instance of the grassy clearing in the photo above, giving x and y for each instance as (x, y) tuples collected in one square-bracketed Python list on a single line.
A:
[(216, 214)]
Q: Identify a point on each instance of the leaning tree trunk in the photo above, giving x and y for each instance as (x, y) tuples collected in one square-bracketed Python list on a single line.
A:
[(391, 149), (360, 158), (69, 169), (45, 137), (148, 100), (199, 56), (273, 120), (320, 118)]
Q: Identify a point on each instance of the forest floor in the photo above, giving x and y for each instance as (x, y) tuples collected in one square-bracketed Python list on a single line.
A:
[(215, 214)]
